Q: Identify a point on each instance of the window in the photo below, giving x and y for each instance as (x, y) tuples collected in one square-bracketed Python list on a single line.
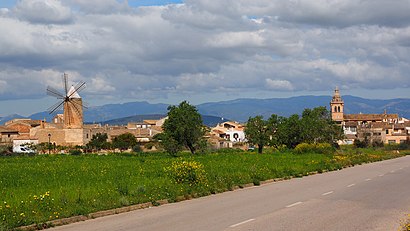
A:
[(387, 131)]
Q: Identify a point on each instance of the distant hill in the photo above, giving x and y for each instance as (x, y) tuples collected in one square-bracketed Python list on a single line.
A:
[(113, 111), (209, 121), (10, 117), (240, 109)]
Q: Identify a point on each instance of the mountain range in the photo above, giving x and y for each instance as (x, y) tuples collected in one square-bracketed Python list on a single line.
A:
[(239, 110)]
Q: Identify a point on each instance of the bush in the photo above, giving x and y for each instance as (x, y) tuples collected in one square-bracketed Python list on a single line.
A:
[(190, 172), (5, 150), (137, 148), (75, 152), (314, 148), (149, 145), (361, 144), (377, 143)]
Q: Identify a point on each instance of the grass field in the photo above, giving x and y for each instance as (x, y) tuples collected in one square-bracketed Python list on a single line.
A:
[(41, 188)]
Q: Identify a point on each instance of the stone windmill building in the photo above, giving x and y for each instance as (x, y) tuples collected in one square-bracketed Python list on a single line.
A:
[(66, 129)]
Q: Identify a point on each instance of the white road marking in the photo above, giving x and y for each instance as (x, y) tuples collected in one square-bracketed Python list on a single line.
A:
[(294, 204), (368, 179), (400, 168), (327, 193), (241, 223), (381, 175), (392, 171), (351, 185)]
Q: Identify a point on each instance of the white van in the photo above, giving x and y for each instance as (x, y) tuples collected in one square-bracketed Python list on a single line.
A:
[(23, 145), (21, 149)]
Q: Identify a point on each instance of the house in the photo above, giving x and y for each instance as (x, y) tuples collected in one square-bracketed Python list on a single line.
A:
[(23, 126), (225, 135), (7, 135), (231, 131)]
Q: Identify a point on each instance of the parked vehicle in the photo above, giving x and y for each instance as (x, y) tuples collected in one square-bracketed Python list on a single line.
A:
[(22, 149)]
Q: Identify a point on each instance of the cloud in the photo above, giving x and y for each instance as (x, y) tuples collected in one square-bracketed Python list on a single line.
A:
[(203, 47), (100, 6), (99, 85), (43, 11), (275, 84), (345, 13)]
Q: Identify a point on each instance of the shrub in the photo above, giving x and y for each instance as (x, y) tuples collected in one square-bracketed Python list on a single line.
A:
[(190, 172), (361, 144), (137, 148), (377, 143), (5, 150), (315, 148), (149, 145), (75, 152)]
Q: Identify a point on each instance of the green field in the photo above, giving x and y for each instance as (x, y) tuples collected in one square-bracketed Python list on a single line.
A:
[(45, 187)]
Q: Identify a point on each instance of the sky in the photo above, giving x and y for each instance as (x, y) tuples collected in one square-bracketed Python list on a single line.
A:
[(201, 50)]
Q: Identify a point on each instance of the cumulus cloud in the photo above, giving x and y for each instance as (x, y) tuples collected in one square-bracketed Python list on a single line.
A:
[(203, 47), (281, 85), (100, 6), (43, 11)]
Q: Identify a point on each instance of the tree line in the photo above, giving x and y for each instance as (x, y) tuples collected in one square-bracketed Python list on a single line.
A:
[(184, 130), (313, 126)]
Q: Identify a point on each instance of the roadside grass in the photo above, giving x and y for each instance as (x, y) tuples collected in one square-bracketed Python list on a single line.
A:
[(41, 188), (405, 225)]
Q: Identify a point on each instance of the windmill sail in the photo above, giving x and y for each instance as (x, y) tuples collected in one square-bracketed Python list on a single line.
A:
[(70, 101)]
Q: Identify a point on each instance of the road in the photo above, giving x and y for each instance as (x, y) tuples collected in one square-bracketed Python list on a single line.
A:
[(373, 196)]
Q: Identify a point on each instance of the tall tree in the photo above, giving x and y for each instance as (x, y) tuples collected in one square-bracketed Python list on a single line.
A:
[(273, 124), (184, 126), (257, 132), (318, 127), (289, 131)]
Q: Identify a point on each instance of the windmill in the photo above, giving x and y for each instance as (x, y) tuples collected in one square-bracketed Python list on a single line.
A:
[(71, 102)]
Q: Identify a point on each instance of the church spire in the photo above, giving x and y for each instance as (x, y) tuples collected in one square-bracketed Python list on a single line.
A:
[(337, 106)]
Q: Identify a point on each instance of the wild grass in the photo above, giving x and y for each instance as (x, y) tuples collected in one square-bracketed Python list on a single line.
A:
[(37, 189)]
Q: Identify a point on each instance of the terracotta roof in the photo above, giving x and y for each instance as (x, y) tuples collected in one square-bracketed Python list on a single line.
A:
[(369, 117), (7, 130), (153, 122), (217, 131), (380, 125), (399, 126), (350, 124), (31, 122)]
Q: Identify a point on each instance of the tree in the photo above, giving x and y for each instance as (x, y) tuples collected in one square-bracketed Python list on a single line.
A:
[(273, 124), (98, 141), (257, 132), (289, 131), (124, 141), (317, 126), (183, 127)]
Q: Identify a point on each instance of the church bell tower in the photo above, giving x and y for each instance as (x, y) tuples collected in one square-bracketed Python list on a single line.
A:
[(336, 106)]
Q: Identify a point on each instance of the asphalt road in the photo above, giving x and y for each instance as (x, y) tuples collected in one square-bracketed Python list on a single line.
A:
[(373, 196)]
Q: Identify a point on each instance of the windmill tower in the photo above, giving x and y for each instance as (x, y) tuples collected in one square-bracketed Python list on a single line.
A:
[(70, 101)]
